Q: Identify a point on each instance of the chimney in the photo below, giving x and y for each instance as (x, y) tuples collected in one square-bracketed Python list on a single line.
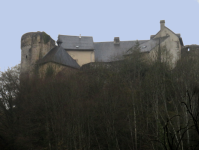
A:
[(116, 40), (162, 24), (80, 36)]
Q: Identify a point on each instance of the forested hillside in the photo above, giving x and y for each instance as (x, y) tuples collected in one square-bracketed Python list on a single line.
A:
[(130, 105)]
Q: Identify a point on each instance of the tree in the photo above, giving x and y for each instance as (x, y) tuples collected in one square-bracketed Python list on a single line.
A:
[(9, 88)]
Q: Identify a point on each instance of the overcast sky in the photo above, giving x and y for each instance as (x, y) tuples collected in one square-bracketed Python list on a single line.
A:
[(102, 19)]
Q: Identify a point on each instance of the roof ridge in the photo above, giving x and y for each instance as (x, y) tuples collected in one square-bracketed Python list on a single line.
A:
[(120, 41), (74, 35)]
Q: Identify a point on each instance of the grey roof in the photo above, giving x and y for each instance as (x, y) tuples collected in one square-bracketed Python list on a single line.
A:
[(76, 43), (178, 35), (151, 44), (108, 51), (60, 56)]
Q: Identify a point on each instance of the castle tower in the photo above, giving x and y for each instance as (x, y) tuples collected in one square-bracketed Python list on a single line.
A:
[(34, 46)]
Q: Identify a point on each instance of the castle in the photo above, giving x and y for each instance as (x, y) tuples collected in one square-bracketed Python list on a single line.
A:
[(40, 53)]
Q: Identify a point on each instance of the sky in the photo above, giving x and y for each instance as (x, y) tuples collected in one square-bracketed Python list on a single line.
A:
[(101, 19)]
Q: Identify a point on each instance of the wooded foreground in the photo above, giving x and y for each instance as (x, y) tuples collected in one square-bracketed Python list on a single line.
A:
[(132, 105)]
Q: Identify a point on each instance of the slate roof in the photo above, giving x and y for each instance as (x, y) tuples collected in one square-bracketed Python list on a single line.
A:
[(76, 43), (178, 35), (108, 51), (60, 56), (151, 44)]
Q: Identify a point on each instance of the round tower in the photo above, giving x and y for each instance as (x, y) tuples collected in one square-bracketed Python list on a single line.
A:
[(34, 46)]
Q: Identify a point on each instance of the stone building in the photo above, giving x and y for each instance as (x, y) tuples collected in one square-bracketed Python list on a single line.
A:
[(40, 55), (38, 49), (107, 51)]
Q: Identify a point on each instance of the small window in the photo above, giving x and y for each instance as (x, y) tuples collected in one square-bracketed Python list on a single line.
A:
[(26, 56), (188, 49)]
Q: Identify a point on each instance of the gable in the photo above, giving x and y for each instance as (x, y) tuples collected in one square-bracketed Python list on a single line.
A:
[(167, 32)]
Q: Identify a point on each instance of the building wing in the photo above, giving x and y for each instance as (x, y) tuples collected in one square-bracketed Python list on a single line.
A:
[(109, 51)]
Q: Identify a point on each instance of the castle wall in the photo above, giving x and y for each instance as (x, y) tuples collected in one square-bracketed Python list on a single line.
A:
[(34, 46), (52, 69)]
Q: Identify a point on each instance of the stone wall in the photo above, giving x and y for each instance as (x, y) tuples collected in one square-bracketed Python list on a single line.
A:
[(52, 69), (34, 45)]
